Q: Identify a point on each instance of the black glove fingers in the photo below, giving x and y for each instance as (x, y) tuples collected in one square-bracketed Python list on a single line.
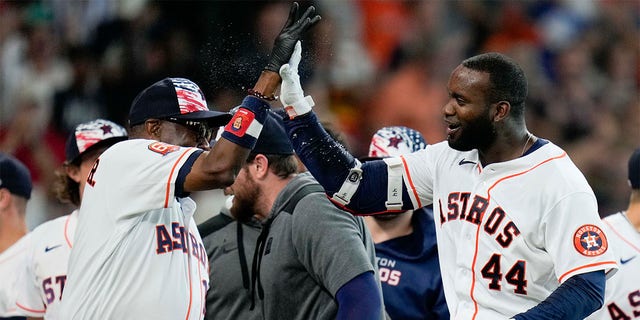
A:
[(303, 24), (294, 29), (314, 20), (309, 22), (293, 15), (311, 10)]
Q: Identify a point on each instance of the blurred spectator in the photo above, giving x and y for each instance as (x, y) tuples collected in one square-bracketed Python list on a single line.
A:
[(38, 70), (83, 99), (385, 23), (412, 93), (370, 63)]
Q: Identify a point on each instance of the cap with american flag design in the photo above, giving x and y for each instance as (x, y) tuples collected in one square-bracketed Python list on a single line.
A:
[(177, 98), (91, 135)]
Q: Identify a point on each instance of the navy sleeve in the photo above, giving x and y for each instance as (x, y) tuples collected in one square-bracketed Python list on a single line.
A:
[(360, 298), (330, 163), (576, 298)]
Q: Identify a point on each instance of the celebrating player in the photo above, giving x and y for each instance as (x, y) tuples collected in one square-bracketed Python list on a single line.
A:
[(137, 252), (41, 281), (622, 295), (406, 249), (15, 192), (517, 225)]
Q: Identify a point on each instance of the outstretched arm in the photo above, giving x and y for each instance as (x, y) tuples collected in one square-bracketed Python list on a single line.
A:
[(356, 187), (218, 168)]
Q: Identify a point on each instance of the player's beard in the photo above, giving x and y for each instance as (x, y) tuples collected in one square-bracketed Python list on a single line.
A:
[(244, 202), (476, 134)]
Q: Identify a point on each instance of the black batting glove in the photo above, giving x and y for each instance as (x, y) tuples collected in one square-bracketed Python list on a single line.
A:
[(293, 30)]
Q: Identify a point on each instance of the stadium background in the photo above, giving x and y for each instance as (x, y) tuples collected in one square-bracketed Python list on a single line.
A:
[(367, 64)]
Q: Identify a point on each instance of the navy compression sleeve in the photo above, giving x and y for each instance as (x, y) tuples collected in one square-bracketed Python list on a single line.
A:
[(360, 298), (326, 159), (576, 298), (329, 162)]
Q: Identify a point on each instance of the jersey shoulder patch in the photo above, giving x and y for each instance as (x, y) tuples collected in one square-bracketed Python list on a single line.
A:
[(590, 241), (162, 148)]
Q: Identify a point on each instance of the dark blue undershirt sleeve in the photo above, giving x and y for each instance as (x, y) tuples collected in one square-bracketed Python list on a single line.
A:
[(309, 139), (184, 171), (576, 298), (330, 163), (360, 298)]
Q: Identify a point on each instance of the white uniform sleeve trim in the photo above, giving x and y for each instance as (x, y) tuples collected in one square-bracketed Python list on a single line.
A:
[(394, 184), (350, 185), (408, 184)]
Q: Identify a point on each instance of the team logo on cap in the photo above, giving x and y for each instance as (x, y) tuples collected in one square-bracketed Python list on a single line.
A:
[(590, 241), (190, 97)]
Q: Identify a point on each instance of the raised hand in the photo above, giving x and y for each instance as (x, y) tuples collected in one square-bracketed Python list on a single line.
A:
[(291, 93), (292, 32)]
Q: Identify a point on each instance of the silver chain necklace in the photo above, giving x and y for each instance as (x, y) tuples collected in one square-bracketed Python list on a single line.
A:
[(530, 136)]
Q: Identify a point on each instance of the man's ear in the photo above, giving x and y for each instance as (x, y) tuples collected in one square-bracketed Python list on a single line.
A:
[(153, 127), (261, 166), (5, 198), (73, 172), (501, 111)]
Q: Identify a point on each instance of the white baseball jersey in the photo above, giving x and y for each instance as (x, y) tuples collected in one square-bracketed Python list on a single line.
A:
[(42, 280), (11, 261), (508, 233), (622, 292), (137, 252)]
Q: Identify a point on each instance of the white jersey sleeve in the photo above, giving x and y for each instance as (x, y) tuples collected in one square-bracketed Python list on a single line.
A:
[(43, 278), (582, 229), (28, 291), (419, 175), (11, 261), (622, 291)]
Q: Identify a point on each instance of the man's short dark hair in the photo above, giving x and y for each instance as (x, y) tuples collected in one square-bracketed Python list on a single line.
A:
[(508, 81), (283, 165)]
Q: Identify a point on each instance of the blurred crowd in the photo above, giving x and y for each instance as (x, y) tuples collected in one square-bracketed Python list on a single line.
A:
[(367, 64)]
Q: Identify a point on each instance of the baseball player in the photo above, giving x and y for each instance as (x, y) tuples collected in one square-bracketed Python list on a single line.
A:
[(517, 226), (15, 192), (137, 253), (43, 277), (622, 296), (405, 242)]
